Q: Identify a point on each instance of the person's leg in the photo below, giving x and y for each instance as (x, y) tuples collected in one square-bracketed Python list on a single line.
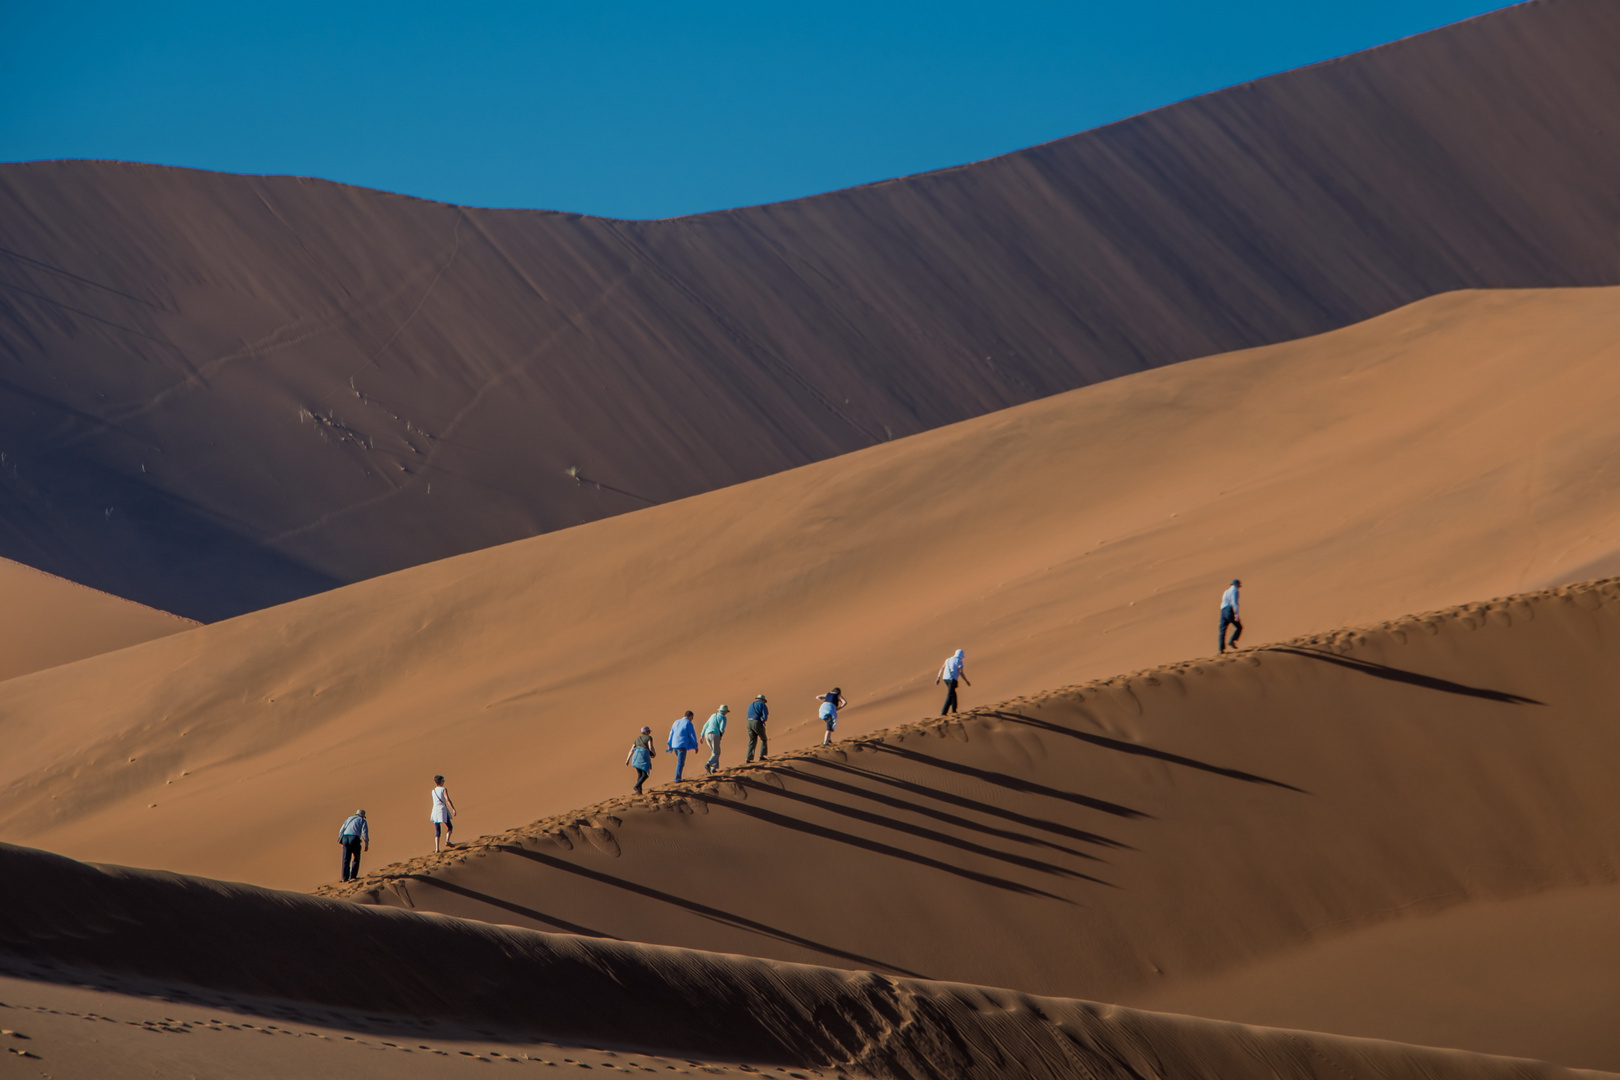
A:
[(764, 747), (641, 778), (1237, 631), (436, 828), (680, 764), (714, 752), (950, 697), (343, 845), (1226, 620), (449, 827), (355, 851)]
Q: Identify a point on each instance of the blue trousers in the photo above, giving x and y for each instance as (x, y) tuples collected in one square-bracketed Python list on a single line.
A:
[(680, 762), (1229, 618)]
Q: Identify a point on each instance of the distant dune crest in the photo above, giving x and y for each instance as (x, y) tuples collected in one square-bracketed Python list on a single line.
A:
[(233, 391)]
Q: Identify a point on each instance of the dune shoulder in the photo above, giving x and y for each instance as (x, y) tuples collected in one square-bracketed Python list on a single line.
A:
[(322, 967)]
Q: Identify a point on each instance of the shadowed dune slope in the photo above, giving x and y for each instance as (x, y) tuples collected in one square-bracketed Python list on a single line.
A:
[(223, 392), (1115, 840), (49, 621), (1461, 447), (71, 922)]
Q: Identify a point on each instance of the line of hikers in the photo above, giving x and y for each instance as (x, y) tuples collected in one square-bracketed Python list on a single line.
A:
[(355, 834)]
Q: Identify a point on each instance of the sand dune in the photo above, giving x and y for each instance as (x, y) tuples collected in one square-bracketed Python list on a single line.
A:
[(49, 621), (230, 391), (1116, 840), (317, 967), (1459, 448)]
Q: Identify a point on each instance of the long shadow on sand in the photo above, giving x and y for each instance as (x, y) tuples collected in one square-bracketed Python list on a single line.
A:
[(1141, 751), (506, 905), (1012, 783), (1394, 674), (962, 801), (724, 917), (855, 791), (771, 817), (918, 831)]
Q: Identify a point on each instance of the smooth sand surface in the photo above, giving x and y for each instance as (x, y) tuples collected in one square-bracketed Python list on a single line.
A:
[(1459, 448), (230, 391), (282, 995), (1118, 839), (1545, 966), (49, 621)]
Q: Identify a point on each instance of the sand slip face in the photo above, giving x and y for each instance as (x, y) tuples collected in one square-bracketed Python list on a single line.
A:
[(1160, 831), (328, 989), (1459, 448), (49, 621)]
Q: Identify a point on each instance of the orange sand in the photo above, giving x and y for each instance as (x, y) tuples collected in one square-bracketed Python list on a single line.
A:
[(1460, 447)]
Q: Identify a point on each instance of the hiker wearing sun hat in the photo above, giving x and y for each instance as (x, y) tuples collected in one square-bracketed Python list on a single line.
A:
[(641, 755), (758, 713), (712, 731)]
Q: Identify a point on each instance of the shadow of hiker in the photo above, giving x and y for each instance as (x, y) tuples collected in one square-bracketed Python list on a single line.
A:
[(919, 831), (965, 803), (1012, 783), (1394, 674), (1142, 751), (855, 791), (786, 821), (724, 917), (506, 905)]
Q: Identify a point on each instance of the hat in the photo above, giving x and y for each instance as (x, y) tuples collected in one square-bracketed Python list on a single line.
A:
[(759, 697), (725, 708), (646, 730), (360, 813), (1235, 581)]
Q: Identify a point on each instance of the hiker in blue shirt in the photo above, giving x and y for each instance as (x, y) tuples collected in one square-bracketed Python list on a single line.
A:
[(758, 713), (640, 756), (1229, 614), (354, 837), (682, 737), (952, 672)]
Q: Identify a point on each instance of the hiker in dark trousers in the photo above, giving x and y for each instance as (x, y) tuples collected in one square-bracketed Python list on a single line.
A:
[(640, 756), (758, 713), (949, 674), (1229, 614), (355, 837), (682, 737)]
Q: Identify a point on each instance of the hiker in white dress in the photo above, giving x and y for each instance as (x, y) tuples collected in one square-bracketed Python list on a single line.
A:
[(443, 811)]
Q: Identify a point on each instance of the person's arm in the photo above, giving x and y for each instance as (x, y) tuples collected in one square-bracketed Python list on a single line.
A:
[(963, 674), (365, 837), (842, 704), (448, 803)]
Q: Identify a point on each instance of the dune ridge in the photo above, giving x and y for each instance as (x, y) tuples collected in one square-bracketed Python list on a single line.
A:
[(72, 921), (1166, 826), (49, 621), (227, 392), (1460, 447)]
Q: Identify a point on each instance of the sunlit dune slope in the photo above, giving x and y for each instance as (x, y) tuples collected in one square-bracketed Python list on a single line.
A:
[(305, 961), (1459, 448), (226, 391), (45, 621), (1126, 839)]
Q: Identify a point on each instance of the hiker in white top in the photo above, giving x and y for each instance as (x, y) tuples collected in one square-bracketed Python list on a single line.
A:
[(952, 671), (1229, 614), (443, 811)]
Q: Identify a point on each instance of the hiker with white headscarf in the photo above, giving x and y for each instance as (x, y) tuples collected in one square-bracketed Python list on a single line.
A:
[(949, 674)]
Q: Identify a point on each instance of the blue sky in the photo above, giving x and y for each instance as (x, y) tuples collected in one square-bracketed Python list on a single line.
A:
[(631, 109)]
